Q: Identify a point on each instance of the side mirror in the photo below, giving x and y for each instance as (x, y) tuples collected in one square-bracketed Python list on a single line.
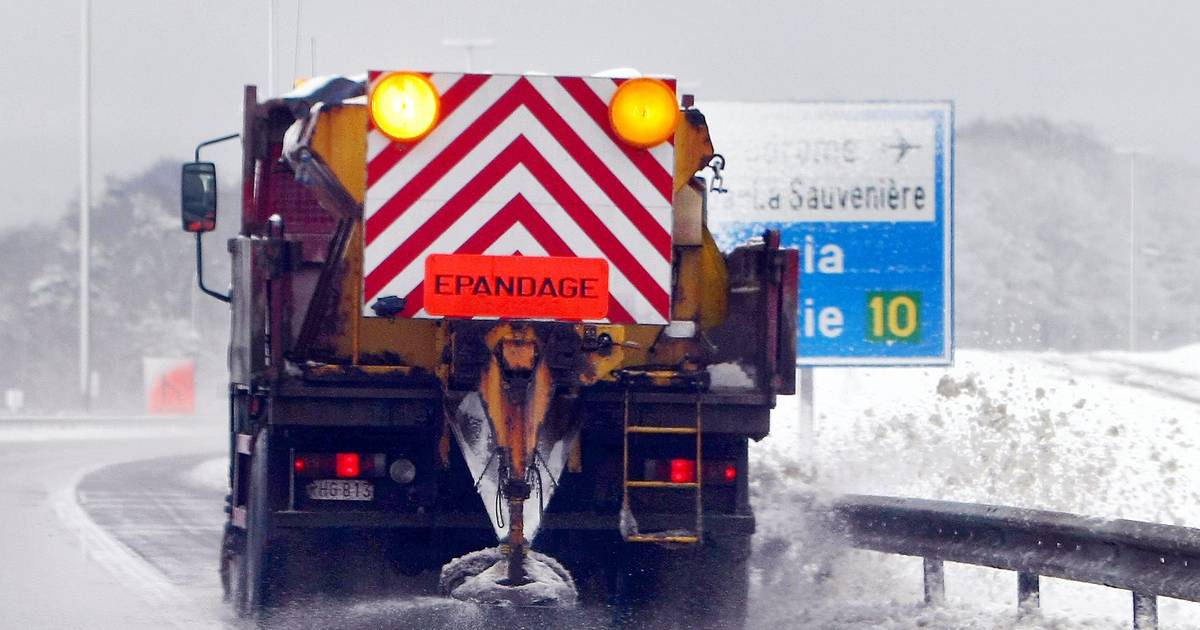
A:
[(198, 197)]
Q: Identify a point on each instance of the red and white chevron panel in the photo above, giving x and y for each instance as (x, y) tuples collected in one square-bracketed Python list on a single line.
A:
[(521, 165)]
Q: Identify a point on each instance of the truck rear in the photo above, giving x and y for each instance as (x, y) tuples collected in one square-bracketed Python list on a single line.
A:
[(485, 312)]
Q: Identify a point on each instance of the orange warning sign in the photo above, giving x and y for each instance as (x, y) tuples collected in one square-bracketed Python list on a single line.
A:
[(170, 386), (525, 287)]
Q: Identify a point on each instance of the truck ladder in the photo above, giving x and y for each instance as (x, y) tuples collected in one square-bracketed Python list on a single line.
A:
[(677, 537)]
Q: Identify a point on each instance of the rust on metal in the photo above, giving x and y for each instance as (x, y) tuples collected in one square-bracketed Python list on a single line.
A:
[(517, 389)]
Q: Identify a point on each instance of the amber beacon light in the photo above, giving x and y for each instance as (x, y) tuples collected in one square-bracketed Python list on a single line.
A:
[(404, 106), (643, 112)]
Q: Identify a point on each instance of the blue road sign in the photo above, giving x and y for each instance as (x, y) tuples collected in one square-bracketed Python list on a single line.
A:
[(865, 191)]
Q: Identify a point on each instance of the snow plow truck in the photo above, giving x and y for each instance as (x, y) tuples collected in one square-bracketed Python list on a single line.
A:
[(484, 314)]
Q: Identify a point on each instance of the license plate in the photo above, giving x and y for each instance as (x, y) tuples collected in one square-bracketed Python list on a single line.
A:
[(341, 490)]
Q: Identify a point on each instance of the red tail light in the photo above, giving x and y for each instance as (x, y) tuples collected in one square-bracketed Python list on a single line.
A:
[(347, 465), (720, 472), (683, 470)]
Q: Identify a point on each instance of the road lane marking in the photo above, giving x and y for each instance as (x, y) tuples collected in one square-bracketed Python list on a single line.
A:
[(126, 565)]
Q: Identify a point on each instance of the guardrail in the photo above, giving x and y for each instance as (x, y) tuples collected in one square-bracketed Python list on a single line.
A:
[(40, 428), (1148, 559), (97, 419)]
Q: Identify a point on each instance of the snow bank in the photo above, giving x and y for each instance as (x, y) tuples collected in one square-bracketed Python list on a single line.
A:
[(49, 431), (1182, 360), (212, 474), (1091, 434), (1034, 430)]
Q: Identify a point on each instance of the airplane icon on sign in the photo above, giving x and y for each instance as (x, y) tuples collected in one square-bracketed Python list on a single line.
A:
[(902, 147)]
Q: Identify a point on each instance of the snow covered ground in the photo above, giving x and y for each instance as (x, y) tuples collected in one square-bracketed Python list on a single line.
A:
[(1105, 434), (97, 428)]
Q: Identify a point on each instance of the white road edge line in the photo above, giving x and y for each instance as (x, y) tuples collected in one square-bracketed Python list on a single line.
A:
[(130, 569)]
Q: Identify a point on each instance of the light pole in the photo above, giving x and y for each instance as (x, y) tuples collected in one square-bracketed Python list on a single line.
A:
[(1132, 153), (296, 42), (270, 48), (470, 46), (85, 203)]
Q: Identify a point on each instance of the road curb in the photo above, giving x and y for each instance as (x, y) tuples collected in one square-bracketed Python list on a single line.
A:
[(126, 565)]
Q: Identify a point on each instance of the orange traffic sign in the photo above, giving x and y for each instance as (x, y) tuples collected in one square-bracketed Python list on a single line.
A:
[(517, 287), (170, 386)]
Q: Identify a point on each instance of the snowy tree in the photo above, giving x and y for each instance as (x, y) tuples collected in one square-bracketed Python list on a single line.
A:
[(143, 296)]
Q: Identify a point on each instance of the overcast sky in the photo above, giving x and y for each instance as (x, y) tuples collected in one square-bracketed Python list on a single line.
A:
[(167, 74)]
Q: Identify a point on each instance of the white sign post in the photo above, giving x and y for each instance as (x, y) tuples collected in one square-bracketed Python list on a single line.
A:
[(14, 399)]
